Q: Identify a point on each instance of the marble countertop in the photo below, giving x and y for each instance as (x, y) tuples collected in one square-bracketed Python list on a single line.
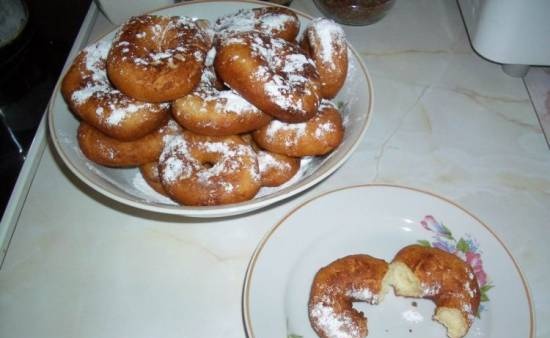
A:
[(445, 121)]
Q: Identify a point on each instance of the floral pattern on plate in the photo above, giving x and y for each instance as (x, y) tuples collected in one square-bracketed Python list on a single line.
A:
[(467, 248)]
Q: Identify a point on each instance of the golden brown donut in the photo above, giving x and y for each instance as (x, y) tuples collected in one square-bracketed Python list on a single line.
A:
[(150, 173), (92, 98), (278, 22), (111, 152), (272, 74), (325, 42), (209, 170), (418, 271), (213, 112), (318, 136), (275, 169), (158, 58), (339, 284)]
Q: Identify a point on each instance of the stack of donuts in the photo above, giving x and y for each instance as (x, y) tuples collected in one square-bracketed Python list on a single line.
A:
[(210, 112)]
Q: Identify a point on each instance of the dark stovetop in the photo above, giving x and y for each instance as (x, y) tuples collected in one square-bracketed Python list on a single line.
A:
[(29, 68)]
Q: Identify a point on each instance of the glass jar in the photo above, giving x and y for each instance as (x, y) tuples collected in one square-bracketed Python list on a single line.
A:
[(355, 12)]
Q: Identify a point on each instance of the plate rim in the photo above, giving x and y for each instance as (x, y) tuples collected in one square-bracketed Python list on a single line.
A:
[(210, 211), (245, 299)]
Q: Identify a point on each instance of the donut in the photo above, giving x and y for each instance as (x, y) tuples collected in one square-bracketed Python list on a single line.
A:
[(325, 42), (318, 136), (158, 58), (278, 22), (111, 152), (200, 170), (150, 174), (213, 112), (90, 95), (272, 74), (275, 169), (418, 271), (336, 286)]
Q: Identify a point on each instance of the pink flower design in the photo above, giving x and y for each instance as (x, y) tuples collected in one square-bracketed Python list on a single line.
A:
[(431, 224), (474, 260)]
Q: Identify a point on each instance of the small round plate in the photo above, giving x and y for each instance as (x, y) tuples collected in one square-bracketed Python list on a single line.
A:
[(126, 185), (379, 220)]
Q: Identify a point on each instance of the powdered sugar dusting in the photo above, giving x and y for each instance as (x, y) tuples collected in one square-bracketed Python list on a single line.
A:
[(187, 41), (258, 19), (225, 101), (173, 157), (285, 74), (412, 316), (113, 107), (266, 162), (180, 164), (330, 36), (294, 130), (333, 324), (363, 294), (430, 289)]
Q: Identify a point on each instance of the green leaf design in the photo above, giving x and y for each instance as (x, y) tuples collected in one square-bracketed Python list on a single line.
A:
[(484, 289), (484, 297), (462, 245), (424, 243), (447, 232), (292, 335)]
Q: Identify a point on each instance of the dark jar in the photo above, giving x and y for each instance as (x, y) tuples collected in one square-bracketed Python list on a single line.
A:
[(355, 12)]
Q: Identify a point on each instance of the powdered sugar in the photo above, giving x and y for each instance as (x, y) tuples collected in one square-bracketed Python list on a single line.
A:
[(176, 39), (292, 131), (225, 101), (363, 294), (412, 316), (333, 324), (429, 290), (112, 106), (330, 37), (246, 20), (266, 162), (173, 157), (179, 163)]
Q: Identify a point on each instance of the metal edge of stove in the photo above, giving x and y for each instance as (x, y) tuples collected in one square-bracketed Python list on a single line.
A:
[(36, 150)]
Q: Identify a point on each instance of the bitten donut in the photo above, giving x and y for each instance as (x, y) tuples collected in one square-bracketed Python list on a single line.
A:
[(92, 98), (339, 284), (318, 136), (418, 271), (111, 152), (158, 58), (275, 169), (209, 111), (208, 170), (278, 22), (272, 74), (325, 42), (150, 173)]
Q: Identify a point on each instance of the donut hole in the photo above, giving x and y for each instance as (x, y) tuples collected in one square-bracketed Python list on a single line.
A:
[(208, 160), (208, 165)]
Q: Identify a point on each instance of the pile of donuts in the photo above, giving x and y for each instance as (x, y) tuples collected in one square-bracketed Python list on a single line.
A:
[(210, 112), (416, 271)]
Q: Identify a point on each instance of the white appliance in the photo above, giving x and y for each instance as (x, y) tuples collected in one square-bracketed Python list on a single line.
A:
[(515, 33)]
